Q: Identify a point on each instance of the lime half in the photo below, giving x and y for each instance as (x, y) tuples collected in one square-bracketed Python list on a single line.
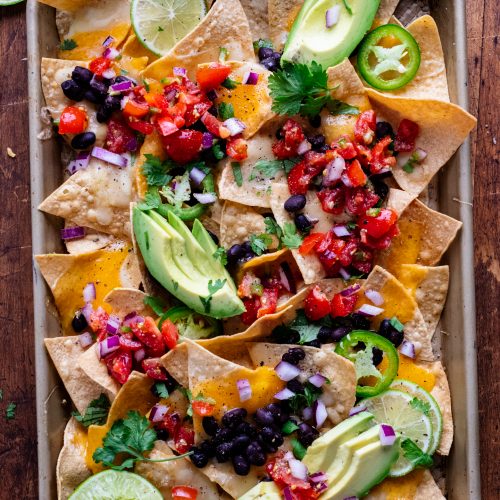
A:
[(430, 408), (160, 24), (395, 408), (116, 485)]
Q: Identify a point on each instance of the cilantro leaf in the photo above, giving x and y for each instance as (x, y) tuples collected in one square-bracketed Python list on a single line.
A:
[(260, 243), (395, 323), (291, 238), (225, 110), (10, 411), (337, 107), (217, 151), (96, 412), (347, 7), (260, 43), (300, 401), (181, 192), (160, 389), (151, 200), (299, 450), (230, 84), (223, 53), (156, 170), (289, 427), (412, 161), (421, 405), (68, 44), (156, 303), (270, 168), (307, 331), (221, 255), (189, 396), (213, 288), (238, 177), (272, 227), (415, 455)]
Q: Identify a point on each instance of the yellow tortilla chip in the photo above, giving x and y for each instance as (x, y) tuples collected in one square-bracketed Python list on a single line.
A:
[(398, 302), (176, 363), (282, 14), (67, 275), (65, 352), (398, 200), (238, 222), (98, 197), (92, 241), (225, 25), (71, 469), (424, 237), (152, 146), (339, 396), (126, 300), (443, 129)]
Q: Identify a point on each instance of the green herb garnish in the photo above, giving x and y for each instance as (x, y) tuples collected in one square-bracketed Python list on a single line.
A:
[(415, 455), (238, 177), (68, 44), (96, 412)]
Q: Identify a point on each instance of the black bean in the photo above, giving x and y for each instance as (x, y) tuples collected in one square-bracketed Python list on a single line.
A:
[(103, 114), (241, 465), (303, 223), (82, 76), (294, 355), (313, 343), (295, 386), (255, 454), (208, 447), (276, 55), (210, 425), (325, 335), (79, 322), (83, 141), (265, 52), (264, 417), (90, 96), (340, 332), (390, 333), (295, 203), (246, 247), (315, 121), (382, 129), (276, 411), (234, 253), (162, 433), (198, 458), (360, 322), (233, 417), (240, 444), (72, 90), (246, 429), (377, 356), (271, 64), (223, 452), (381, 189), (112, 102), (306, 434), (99, 88), (120, 79), (223, 436), (317, 141)]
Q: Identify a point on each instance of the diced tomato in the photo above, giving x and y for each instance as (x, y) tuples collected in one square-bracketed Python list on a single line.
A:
[(342, 306), (150, 336), (245, 287), (154, 369), (157, 101), (364, 129), (171, 422), (170, 334), (140, 126), (98, 321), (211, 76), (363, 260), (378, 225), (73, 120), (345, 148), (355, 174), (359, 200), (202, 408), (129, 344), (118, 137), (237, 148), (135, 109), (119, 365), (310, 242), (381, 157), (184, 439), (99, 65), (293, 135), (166, 125), (252, 305), (347, 253), (183, 146), (384, 241), (316, 304), (195, 111), (180, 492), (214, 126), (297, 180), (268, 302), (406, 136), (329, 252), (332, 200)]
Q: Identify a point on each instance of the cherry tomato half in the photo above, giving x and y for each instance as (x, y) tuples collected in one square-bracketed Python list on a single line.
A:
[(73, 120), (211, 76), (316, 304)]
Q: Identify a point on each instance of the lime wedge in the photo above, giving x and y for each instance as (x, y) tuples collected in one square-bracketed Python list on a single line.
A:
[(395, 408), (116, 485), (160, 24), (431, 406), (9, 2)]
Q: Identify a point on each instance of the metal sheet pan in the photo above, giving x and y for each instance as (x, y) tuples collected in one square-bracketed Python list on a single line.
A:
[(458, 321)]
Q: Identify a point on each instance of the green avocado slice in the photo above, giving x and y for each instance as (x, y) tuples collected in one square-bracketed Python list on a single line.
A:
[(310, 40)]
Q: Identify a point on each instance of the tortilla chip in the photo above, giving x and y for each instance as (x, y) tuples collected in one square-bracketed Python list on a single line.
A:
[(97, 197), (238, 222), (166, 475), (152, 146), (282, 14), (429, 287), (126, 300), (251, 103), (65, 352), (92, 241), (225, 25), (347, 88), (398, 200), (443, 129), (385, 11), (398, 302), (424, 237), (67, 274), (71, 469), (53, 73), (176, 363), (256, 12)]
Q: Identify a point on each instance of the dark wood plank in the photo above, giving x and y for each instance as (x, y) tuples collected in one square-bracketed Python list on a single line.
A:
[(18, 457)]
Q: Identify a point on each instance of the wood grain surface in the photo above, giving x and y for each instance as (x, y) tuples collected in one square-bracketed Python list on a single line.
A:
[(18, 469)]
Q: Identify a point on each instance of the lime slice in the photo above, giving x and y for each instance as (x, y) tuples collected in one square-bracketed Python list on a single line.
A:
[(395, 408), (160, 24), (432, 409), (9, 2), (116, 485)]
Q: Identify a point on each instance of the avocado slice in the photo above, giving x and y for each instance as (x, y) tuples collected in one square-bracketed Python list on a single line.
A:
[(323, 451), (310, 40), (165, 254), (265, 489)]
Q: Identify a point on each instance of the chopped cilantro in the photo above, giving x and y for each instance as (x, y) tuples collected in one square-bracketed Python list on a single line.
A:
[(299, 450), (260, 243), (261, 43), (223, 53), (307, 330), (96, 412), (156, 171), (413, 160), (373, 212), (217, 151), (351, 226), (160, 29), (10, 412), (225, 110), (181, 193), (291, 238), (213, 288), (300, 401), (421, 405), (68, 44), (238, 177), (160, 389), (395, 323), (289, 427), (230, 84), (221, 255), (156, 303), (415, 455), (151, 200), (270, 168), (337, 107), (176, 285), (146, 85)]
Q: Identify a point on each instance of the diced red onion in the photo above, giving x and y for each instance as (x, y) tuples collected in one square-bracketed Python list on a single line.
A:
[(332, 16), (387, 435), (87, 310), (207, 140), (205, 198), (157, 413), (298, 469), (109, 40), (139, 355), (109, 345), (244, 389), (407, 349), (402, 159), (179, 71), (286, 371), (320, 412), (109, 74), (111, 53), (341, 231), (317, 380), (350, 498), (369, 310), (113, 325), (171, 94), (347, 292), (334, 170), (287, 493), (307, 413), (250, 78), (321, 487), (345, 275), (122, 86), (375, 297), (318, 477), (284, 394), (347, 182), (89, 293), (85, 339), (284, 279), (81, 161), (357, 409), (131, 318), (72, 233), (197, 175), (234, 126), (420, 154), (109, 157), (304, 147), (131, 145)]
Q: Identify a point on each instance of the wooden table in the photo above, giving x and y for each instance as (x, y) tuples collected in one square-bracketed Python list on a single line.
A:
[(18, 460)]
